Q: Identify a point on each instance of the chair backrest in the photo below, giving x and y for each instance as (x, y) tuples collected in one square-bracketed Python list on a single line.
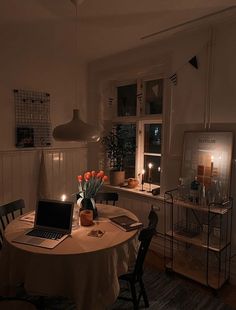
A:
[(145, 238), (153, 218), (107, 198), (8, 212)]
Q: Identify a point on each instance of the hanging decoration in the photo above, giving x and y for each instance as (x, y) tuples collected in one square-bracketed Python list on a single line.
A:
[(193, 61), (173, 78)]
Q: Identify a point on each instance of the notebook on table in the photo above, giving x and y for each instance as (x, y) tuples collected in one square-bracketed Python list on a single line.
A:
[(52, 224), (125, 222)]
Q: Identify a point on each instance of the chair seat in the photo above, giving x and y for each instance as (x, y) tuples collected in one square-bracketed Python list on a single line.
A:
[(16, 305), (127, 277), (106, 197)]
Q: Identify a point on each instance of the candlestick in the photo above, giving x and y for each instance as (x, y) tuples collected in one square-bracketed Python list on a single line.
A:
[(143, 171), (149, 177), (212, 164)]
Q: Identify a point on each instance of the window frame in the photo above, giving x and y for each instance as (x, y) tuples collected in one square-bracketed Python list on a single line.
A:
[(140, 145), (140, 119)]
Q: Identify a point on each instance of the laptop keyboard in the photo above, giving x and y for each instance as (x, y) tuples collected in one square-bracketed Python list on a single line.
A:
[(45, 234)]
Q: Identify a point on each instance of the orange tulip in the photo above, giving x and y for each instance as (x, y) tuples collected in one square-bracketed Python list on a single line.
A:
[(105, 178), (90, 182), (87, 175), (101, 173), (79, 178)]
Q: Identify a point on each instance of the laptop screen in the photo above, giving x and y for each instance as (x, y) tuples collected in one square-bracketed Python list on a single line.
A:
[(54, 214)]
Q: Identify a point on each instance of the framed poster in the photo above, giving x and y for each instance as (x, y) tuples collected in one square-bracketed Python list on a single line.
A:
[(207, 157)]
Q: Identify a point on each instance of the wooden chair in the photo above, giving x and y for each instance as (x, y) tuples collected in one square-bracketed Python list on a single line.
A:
[(107, 198), (8, 213), (153, 219), (135, 277)]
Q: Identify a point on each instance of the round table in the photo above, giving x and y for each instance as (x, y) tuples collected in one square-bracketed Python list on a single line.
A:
[(83, 268)]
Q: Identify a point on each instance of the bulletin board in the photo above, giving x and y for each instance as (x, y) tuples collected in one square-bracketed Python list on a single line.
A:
[(32, 118), (207, 156)]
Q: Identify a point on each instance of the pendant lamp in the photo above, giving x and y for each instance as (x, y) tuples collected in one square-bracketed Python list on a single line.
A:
[(76, 129)]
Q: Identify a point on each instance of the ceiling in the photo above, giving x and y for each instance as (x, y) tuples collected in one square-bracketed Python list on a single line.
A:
[(106, 27)]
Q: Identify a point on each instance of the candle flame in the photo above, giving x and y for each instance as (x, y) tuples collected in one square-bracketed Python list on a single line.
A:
[(150, 165), (63, 197)]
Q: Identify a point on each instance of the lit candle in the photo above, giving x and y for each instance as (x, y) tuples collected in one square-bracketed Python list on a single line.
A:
[(63, 197), (159, 169), (143, 171), (149, 171)]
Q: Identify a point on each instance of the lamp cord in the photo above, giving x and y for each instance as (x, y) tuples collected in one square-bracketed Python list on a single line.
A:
[(76, 52)]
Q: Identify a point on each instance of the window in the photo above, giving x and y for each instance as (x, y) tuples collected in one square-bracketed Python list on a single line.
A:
[(139, 115), (152, 152)]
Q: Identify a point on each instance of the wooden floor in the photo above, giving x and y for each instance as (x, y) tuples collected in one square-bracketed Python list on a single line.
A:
[(227, 293)]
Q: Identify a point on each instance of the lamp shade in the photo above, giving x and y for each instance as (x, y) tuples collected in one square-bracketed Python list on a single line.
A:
[(76, 130)]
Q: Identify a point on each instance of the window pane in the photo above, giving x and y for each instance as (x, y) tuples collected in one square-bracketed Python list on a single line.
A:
[(127, 133), (127, 100), (152, 138), (152, 175), (153, 96)]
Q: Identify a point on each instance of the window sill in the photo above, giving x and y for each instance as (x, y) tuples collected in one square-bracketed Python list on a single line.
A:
[(135, 191)]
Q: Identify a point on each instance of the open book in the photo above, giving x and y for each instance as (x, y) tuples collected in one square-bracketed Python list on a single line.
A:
[(125, 223)]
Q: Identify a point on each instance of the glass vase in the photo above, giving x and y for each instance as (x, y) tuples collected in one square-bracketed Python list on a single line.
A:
[(88, 204)]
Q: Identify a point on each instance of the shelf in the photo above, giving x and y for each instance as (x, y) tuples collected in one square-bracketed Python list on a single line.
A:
[(196, 240), (199, 242), (189, 205), (197, 274)]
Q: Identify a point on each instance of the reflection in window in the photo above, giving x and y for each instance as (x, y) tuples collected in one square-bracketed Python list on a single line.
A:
[(127, 134), (152, 138), (126, 104), (153, 96)]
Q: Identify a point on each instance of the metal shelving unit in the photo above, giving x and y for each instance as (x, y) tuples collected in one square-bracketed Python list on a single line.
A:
[(198, 239)]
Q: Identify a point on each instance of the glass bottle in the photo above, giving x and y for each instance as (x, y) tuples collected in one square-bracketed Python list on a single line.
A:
[(203, 200), (194, 191)]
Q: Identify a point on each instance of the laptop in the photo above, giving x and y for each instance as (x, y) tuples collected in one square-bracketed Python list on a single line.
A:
[(52, 224)]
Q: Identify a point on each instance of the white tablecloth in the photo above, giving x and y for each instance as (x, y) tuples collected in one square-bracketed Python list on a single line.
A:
[(83, 268)]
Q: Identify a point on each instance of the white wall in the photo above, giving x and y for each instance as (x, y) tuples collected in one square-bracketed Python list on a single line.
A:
[(39, 56), (23, 176)]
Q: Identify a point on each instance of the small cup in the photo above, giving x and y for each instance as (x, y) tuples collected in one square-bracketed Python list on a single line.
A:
[(86, 217)]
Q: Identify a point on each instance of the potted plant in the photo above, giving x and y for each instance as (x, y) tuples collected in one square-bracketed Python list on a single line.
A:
[(115, 149)]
